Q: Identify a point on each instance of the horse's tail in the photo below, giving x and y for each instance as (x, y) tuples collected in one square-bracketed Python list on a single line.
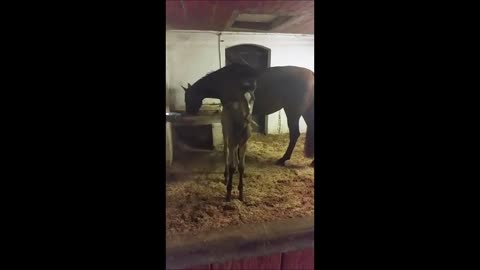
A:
[(309, 148)]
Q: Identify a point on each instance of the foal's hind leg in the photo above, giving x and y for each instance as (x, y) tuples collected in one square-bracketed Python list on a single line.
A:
[(225, 156), (294, 131)]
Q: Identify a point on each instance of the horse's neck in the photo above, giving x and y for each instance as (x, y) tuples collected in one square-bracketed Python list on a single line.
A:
[(205, 89), (212, 93), (208, 92)]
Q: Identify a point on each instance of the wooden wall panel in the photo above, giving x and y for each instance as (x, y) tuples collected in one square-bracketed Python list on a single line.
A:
[(298, 260), (272, 262), (201, 267), (295, 260)]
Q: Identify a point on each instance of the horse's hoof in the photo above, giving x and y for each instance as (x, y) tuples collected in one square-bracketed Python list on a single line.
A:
[(280, 162)]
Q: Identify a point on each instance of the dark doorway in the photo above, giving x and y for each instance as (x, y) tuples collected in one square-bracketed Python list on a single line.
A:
[(199, 137), (257, 57)]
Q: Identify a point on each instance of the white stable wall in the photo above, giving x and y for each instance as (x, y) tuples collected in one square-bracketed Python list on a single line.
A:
[(192, 54), (168, 128)]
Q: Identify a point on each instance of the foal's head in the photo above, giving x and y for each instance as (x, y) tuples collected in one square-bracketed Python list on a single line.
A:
[(240, 110)]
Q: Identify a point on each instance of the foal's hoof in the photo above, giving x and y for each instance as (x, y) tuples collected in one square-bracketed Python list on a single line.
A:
[(312, 164), (280, 162)]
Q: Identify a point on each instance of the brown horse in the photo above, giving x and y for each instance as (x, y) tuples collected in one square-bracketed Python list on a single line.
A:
[(287, 87)]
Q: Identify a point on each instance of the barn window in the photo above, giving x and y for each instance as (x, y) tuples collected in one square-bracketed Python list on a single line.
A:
[(259, 22), (257, 57)]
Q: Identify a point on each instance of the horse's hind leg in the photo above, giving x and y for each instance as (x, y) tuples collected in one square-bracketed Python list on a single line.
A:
[(294, 132), (241, 168)]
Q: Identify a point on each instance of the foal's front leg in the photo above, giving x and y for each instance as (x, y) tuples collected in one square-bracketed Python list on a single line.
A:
[(241, 167), (231, 171)]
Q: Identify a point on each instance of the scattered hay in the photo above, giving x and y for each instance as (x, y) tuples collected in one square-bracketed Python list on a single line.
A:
[(196, 201)]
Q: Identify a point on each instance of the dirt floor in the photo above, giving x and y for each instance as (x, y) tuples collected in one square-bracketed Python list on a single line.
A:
[(196, 190)]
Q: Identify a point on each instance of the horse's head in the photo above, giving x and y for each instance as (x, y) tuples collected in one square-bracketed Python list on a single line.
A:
[(193, 101)]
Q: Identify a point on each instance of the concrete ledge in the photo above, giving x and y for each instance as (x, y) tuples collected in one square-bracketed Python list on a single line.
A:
[(168, 145), (192, 120), (238, 242), (204, 118)]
